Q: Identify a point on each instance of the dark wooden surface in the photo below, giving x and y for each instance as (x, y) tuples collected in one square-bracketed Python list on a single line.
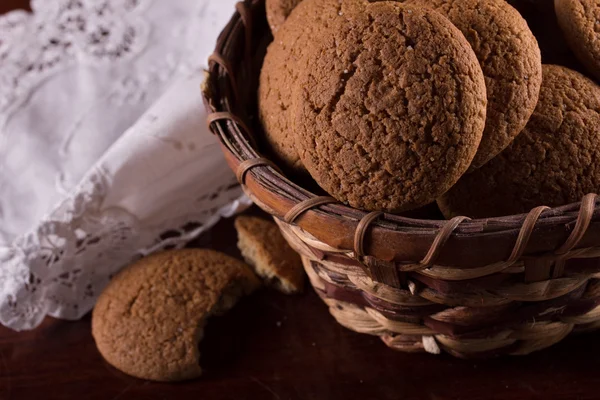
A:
[(278, 347), (7, 5), (272, 346)]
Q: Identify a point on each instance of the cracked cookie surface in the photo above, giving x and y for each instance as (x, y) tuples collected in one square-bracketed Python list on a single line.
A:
[(149, 320), (555, 160), (390, 112), (285, 59), (278, 11), (580, 22), (511, 62)]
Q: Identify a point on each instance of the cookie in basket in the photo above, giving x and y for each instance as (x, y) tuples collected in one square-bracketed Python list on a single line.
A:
[(278, 11), (272, 258), (541, 18), (391, 107), (555, 160), (511, 62), (149, 320), (580, 22), (285, 58)]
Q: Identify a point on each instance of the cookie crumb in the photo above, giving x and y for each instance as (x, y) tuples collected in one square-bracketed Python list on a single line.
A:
[(263, 247)]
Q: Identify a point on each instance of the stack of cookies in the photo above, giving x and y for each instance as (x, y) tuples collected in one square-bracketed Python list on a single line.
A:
[(390, 106)]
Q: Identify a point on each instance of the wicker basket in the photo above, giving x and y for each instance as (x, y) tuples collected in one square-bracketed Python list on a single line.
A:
[(473, 288)]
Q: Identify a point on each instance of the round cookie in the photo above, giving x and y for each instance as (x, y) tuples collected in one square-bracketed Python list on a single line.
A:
[(285, 58), (511, 62), (278, 11), (149, 320), (580, 22), (553, 162), (390, 112), (541, 18)]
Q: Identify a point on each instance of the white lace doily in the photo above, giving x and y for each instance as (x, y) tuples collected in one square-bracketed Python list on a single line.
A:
[(104, 153)]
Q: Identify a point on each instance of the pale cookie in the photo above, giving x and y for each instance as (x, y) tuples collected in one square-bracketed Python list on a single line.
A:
[(511, 62), (553, 162), (278, 11), (149, 320), (264, 248), (580, 22), (390, 111)]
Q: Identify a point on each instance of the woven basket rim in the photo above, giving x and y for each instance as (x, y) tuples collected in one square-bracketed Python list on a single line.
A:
[(277, 194)]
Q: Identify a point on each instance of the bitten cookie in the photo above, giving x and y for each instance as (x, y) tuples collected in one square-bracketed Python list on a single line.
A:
[(149, 320), (390, 111), (553, 162), (278, 11), (285, 58), (580, 22), (511, 62), (264, 248)]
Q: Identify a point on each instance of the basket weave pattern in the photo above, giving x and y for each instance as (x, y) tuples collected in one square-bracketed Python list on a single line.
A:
[(472, 288)]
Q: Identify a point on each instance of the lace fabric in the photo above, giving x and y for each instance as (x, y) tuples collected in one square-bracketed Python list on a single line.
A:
[(104, 153)]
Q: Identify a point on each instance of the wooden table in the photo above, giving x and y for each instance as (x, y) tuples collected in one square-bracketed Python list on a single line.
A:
[(272, 346), (280, 347)]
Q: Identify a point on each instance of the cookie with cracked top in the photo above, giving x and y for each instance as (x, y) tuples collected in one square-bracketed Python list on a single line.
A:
[(580, 23), (149, 320), (511, 62), (285, 58), (553, 162), (390, 112)]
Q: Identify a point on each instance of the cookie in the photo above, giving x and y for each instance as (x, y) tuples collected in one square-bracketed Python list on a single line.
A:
[(511, 62), (265, 249), (580, 23), (542, 21), (553, 162), (390, 111), (149, 320), (278, 11), (285, 58)]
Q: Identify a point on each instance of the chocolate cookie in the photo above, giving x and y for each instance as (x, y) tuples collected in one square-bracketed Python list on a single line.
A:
[(580, 22), (278, 11), (265, 249), (511, 62), (285, 58), (553, 162), (149, 320), (390, 111)]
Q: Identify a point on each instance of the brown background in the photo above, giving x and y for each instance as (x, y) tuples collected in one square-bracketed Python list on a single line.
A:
[(276, 347)]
